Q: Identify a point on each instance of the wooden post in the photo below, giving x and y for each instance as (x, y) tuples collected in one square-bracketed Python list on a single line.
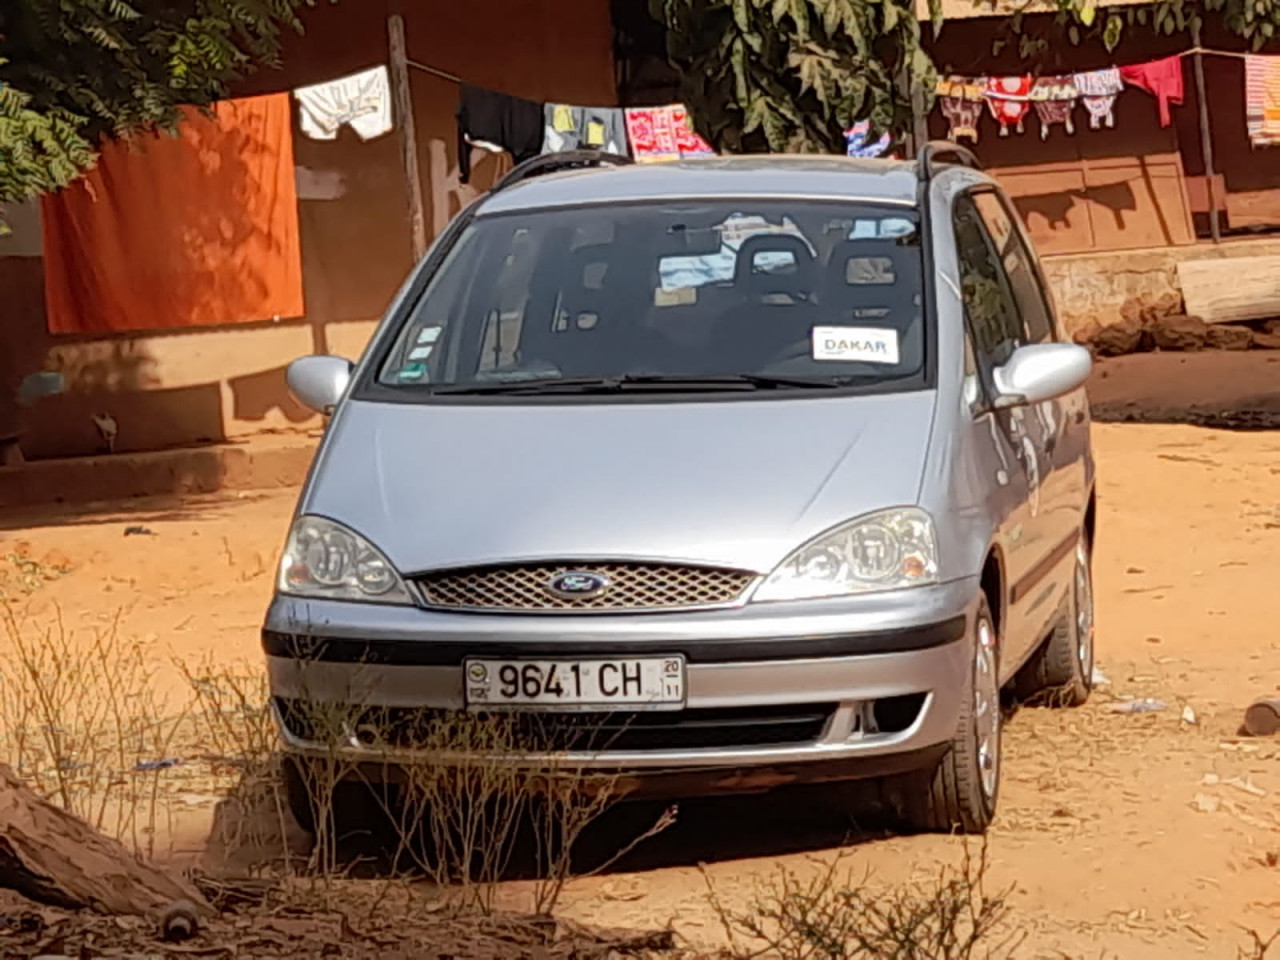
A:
[(408, 134), (1206, 140), (920, 119)]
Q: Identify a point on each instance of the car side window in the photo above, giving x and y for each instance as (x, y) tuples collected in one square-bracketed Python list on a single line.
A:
[(1019, 267), (995, 324)]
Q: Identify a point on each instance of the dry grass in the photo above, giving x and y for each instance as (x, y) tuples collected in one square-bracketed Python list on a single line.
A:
[(80, 719), (835, 915), (1258, 948)]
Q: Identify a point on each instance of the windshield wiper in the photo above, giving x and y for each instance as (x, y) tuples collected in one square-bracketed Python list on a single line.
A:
[(657, 382)]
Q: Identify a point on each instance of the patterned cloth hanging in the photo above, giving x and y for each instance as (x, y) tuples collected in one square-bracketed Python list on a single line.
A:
[(1055, 99), (1098, 89), (1262, 100), (1009, 100), (961, 101)]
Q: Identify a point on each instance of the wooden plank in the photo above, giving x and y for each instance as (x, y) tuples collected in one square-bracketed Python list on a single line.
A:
[(1226, 290), (1254, 208)]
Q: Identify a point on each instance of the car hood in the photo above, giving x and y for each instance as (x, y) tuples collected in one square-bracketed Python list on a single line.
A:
[(733, 482)]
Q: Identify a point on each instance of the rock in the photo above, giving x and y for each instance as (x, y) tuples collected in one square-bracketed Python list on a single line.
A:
[(1226, 336), (1270, 326), (1167, 305), (1262, 340), (1118, 339), (1086, 334), (1179, 332)]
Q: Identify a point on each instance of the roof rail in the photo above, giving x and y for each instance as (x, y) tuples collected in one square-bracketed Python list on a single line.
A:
[(555, 162), (935, 149)]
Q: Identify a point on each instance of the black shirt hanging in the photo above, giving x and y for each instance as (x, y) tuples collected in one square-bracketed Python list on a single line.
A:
[(513, 123)]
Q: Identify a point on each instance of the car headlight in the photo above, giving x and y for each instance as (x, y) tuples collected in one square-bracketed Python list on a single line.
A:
[(326, 561), (883, 551)]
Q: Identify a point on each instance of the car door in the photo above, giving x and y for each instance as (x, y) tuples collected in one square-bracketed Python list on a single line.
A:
[(1015, 438), (1060, 501)]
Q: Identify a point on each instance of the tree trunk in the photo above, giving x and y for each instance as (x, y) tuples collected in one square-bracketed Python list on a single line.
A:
[(49, 856)]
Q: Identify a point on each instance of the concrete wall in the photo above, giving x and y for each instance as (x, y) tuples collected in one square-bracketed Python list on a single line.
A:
[(168, 389), (1107, 287)]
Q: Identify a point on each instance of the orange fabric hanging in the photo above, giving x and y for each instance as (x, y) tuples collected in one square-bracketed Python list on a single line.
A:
[(194, 230)]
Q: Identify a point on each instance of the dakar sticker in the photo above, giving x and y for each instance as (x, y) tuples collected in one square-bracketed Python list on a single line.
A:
[(855, 344)]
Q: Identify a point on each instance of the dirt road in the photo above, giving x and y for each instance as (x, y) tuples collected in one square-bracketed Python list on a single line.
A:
[(1134, 836)]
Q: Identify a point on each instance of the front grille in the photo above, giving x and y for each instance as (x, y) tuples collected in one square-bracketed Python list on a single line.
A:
[(410, 728), (630, 586)]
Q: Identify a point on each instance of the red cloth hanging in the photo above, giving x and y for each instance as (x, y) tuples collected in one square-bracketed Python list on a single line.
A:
[(1162, 79), (194, 230)]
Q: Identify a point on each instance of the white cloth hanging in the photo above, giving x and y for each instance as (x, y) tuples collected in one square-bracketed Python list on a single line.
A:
[(361, 101)]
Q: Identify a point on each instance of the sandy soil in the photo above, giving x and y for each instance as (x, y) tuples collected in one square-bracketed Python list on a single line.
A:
[(1135, 836), (1213, 388)]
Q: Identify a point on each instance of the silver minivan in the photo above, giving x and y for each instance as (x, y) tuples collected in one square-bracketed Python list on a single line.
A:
[(734, 473)]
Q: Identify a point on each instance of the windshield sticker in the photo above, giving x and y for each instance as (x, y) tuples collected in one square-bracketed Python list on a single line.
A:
[(428, 334), (855, 344), (421, 353), (412, 372)]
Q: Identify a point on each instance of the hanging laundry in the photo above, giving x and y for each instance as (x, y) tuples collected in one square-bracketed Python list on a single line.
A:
[(583, 128), (198, 229), (688, 141), (663, 133), (1098, 89), (1009, 100), (488, 119), (961, 102), (1160, 78), (1262, 100), (1055, 100), (361, 101), (856, 145)]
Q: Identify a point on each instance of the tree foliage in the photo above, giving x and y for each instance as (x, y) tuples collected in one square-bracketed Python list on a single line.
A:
[(1256, 21), (73, 71), (774, 75), (790, 75)]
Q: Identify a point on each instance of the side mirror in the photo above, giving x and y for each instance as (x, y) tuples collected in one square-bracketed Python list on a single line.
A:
[(319, 382), (1040, 372)]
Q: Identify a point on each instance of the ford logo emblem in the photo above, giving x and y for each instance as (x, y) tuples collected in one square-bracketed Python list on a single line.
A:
[(577, 585)]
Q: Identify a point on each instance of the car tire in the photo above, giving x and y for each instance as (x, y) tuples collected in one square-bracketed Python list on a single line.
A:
[(296, 787), (1061, 672), (960, 794), (354, 807)]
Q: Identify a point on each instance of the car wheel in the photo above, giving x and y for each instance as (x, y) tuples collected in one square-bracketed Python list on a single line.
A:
[(960, 794), (1061, 672), (353, 807), (296, 786)]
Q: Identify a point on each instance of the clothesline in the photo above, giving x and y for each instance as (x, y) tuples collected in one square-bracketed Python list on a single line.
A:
[(435, 71), (1220, 53)]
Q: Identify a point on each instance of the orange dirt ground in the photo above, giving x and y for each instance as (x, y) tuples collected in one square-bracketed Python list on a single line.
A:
[(1133, 836)]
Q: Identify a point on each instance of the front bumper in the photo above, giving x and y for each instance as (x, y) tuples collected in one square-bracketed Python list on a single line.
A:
[(844, 657)]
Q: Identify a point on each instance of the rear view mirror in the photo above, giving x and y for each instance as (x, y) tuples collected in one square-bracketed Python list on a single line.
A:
[(1041, 372), (319, 382)]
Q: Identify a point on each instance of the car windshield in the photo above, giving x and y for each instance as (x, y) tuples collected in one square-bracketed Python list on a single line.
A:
[(696, 295)]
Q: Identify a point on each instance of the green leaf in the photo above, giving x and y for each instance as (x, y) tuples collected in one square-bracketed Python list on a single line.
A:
[(1111, 34)]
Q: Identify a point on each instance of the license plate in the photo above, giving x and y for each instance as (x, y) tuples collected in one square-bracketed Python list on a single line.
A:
[(652, 683)]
